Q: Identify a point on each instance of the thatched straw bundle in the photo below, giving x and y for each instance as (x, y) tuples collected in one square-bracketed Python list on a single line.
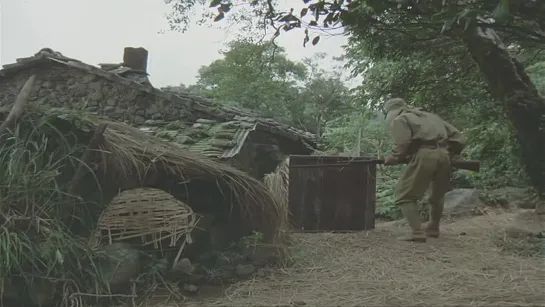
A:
[(152, 215), (278, 183), (133, 158), (128, 158)]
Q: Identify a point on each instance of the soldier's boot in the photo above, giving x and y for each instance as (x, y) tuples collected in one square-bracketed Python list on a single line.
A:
[(432, 227), (417, 234)]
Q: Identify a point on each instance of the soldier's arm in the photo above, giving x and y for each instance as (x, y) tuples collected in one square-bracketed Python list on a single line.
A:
[(402, 136), (456, 140)]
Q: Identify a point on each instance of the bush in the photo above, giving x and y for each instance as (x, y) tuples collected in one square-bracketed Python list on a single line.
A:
[(43, 230)]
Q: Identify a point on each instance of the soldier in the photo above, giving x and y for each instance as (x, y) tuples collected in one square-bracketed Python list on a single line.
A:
[(429, 144)]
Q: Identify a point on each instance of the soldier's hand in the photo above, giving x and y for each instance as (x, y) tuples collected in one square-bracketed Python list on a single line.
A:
[(390, 160), (455, 158)]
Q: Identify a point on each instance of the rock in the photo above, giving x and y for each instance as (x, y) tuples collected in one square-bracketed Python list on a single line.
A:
[(215, 280), (154, 109), (92, 103), (261, 254), (235, 258), (109, 109), (111, 102), (228, 273), (184, 266), (156, 116), (244, 270), (222, 261), (97, 96), (47, 84), (462, 202), (119, 263), (88, 78), (139, 120), (95, 86), (512, 197), (153, 122), (261, 273), (190, 288)]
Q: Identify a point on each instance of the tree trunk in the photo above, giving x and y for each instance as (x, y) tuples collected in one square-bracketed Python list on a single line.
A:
[(509, 83)]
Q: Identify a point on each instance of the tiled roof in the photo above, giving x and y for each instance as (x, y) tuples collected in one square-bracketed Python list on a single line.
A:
[(221, 116), (208, 137)]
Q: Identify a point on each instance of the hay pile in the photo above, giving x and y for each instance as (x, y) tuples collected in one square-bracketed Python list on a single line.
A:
[(128, 154), (45, 227), (278, 184), (374, 269)]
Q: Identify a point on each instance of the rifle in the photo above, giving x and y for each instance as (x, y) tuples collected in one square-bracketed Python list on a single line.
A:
[(470, 165)]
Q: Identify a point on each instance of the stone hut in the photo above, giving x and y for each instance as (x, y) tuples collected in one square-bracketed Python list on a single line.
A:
[(124, 93)]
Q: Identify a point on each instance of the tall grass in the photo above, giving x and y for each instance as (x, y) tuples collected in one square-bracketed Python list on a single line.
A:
[(38, 241)]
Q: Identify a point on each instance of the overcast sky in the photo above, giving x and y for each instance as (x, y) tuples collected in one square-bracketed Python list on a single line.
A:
[(96, 31)]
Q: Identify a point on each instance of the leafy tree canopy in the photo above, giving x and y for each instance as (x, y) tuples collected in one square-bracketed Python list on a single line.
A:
[(260, 77)]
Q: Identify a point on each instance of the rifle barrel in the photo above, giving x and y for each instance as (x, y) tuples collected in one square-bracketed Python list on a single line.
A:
[(344, 164)]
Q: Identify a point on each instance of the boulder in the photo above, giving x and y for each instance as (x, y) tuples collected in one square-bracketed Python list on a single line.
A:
[(184, 266), (118, 263), (244, 270), (462, 202), (262, 254)]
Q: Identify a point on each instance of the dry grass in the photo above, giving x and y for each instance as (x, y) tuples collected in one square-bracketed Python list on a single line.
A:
[(277, 183), (44, 228), (465, 267), (132, 158), (129, 153)]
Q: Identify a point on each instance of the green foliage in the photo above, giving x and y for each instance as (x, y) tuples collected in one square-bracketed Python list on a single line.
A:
[(411, 49), (260, 77), (253, 76), (36, 244), (537, 74)]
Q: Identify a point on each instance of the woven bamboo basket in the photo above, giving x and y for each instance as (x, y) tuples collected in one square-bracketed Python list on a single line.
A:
[(151, 214)]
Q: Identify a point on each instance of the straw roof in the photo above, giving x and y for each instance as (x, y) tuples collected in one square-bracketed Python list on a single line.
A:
[(128, 155)]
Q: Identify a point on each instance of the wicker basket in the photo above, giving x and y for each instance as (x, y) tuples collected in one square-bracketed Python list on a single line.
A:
[(151, 214)]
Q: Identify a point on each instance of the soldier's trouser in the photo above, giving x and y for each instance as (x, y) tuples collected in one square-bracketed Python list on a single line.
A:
[(428, 168)]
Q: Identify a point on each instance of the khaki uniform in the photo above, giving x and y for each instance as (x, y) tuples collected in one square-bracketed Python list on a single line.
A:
[(428, 143)]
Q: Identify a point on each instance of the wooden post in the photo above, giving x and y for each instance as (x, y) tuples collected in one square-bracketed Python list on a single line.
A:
[(19, 105)]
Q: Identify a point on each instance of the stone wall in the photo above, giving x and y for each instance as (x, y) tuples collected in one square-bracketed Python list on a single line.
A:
[(64, 86), (78, 86)]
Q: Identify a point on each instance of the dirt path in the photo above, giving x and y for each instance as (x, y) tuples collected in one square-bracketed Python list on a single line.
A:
[(373, 269)]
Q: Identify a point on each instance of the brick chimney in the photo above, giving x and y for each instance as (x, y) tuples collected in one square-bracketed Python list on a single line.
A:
[(136, 58)]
